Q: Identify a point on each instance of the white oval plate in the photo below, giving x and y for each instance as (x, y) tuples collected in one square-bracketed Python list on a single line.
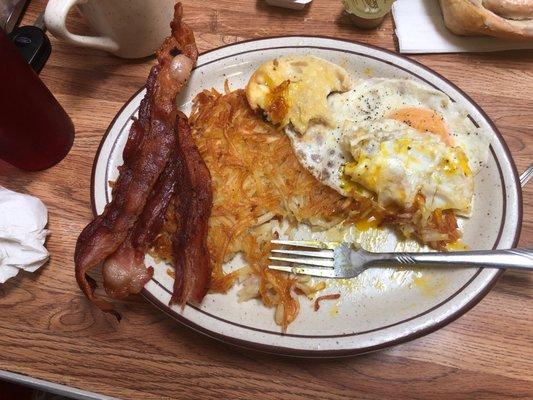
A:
[(382, 307)]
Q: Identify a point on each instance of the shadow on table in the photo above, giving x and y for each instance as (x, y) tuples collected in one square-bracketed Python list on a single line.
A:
[(17, 283)]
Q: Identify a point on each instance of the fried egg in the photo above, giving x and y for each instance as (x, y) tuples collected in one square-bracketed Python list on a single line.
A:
[(394, 139), (294, 90), (401, 143), (398, 162)]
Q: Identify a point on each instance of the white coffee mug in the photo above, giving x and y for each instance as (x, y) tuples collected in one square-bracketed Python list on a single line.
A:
[(126, 28)]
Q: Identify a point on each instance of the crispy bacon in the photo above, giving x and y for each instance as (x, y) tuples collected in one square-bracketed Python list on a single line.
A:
[(145, 156), (151, 220), (190, 253), (124, 271), (121, 234)]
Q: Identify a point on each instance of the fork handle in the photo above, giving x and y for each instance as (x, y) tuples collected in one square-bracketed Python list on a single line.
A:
[(512, 258)]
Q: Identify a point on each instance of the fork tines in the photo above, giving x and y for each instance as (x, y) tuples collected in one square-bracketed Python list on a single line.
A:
[(312, 244), (320, 261)]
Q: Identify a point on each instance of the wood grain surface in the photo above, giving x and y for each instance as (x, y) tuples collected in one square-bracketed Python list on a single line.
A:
[(49, 331)]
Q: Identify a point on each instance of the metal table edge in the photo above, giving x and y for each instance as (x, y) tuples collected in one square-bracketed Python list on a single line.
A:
[(51, 387)]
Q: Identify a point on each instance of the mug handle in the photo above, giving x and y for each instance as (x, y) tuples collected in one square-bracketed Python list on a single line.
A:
[(55, 17)]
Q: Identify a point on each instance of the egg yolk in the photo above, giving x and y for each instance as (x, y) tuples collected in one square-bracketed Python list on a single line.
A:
[(459, 162), (277, 103), (367, 223), (457, 246), (423, 120)]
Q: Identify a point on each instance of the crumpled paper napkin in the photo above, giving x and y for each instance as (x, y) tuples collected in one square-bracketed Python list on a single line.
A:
[(23, 219)]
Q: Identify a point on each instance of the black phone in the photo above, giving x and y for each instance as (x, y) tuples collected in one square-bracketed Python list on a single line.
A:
[(33, 44)]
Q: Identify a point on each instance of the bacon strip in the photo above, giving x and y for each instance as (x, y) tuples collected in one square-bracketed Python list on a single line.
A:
[(151, 220), (124, 271), (195, 198), (151, 142), (145, 151)]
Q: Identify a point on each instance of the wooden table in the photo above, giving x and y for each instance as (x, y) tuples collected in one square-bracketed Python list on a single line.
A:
[(49, 331)]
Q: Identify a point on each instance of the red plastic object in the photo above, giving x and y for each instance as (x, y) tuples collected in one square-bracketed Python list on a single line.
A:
[(35, 131)]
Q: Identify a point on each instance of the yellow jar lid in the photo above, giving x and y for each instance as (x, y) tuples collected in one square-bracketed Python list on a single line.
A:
[(369, 9)]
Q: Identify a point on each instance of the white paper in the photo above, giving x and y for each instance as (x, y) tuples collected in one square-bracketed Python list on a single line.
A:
[(294, 4), (420, 29), (23, 219)]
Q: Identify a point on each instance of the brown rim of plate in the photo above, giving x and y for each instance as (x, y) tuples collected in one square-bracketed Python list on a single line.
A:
[(348, 352)]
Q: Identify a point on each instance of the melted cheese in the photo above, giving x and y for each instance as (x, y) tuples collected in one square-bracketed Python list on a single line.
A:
[(294, 90)]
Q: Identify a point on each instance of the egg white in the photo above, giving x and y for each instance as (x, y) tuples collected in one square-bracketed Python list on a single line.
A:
[(398, 162), (323, 150)]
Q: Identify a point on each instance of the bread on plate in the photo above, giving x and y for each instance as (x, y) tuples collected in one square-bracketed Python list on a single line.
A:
[(512, 19)]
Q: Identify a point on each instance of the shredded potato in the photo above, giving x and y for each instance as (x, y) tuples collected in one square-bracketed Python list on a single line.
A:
[(257, 181)]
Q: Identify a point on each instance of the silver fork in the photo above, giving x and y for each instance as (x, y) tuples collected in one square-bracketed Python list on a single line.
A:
[(343, 260), (526, 175)]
